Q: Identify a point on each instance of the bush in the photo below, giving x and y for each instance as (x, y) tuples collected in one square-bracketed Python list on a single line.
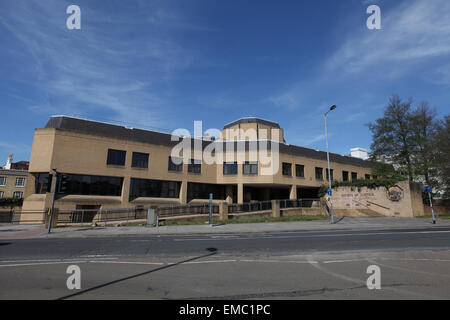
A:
[(359, 184)]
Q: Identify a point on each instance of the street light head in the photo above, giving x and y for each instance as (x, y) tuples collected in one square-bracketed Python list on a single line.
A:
[(333, 107)]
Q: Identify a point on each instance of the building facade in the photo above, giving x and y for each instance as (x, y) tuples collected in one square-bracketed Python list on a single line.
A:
[(103, 165), (12, 183)]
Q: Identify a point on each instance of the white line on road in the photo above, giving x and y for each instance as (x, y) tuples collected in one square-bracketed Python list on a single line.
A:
[(310, 236)]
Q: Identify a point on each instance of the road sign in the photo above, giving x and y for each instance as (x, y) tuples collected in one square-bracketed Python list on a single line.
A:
[(329, 192), (428, 189)]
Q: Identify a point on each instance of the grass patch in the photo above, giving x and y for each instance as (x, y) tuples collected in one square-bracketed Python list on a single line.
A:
[(248, 220), (440, 216)]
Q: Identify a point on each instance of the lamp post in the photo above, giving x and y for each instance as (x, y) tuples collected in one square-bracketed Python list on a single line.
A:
[(328, 160), (53, 201)]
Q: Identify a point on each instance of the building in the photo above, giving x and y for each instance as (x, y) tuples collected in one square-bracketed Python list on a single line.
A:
[(102, 165), (360, 153), (13, 177)]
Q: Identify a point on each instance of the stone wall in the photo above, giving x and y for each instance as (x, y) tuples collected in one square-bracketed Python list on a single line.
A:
[(402, 200)]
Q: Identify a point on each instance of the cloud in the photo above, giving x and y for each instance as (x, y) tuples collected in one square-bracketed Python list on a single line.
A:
[(104, 68), (414, 34)]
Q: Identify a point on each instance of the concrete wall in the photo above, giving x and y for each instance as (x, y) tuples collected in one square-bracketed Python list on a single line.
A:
[(402, 200)]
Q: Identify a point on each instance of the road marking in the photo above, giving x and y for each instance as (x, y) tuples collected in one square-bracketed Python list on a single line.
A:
[(129, 262), (43, 263), (279, 261), (309, 236)]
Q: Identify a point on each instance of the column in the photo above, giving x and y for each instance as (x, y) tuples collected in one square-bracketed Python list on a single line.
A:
[(240, 191), (183, 192)]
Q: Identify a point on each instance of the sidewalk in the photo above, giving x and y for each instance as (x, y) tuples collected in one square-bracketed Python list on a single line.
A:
[(347, 223)]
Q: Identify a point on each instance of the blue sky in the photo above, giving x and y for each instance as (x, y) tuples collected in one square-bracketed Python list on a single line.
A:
[(163, 64)]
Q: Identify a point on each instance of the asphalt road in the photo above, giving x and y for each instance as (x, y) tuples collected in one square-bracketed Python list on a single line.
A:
[(414, 264)]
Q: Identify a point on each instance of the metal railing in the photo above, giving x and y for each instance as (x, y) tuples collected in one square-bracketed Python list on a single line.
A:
[(91, 216), (249, 207), (17, 215), (186, 210)]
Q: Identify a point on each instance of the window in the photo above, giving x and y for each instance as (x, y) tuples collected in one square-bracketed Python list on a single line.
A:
[(2, 181), (250, 168), (367, 176), (331, 171), (287, 169), (154, 188), (344, 175), (202, 191), (374, 177), (195, 166), (116, 157), (18, 195), (354, 176), (319, 173), (43, 183), (299, 171), (2, 194), (20, 182), (175, 164), (139, 160), (89, 185), (230, 168)]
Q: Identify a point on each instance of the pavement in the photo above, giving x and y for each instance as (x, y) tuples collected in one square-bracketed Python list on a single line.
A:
[(8, 231), (305, 264)]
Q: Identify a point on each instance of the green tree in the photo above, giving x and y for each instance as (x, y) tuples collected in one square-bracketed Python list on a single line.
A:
[(442, 154), (423, 126), (393, 138)]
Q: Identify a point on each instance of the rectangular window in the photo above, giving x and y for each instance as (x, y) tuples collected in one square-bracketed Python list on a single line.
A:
[(250, 168), (20, 182), (154, 188), (202, 191), (175, 164), (18, 195), (374, 177), (354, 176), (344, 175), (230, 168), (367, 176), (331, 171), (43, 183), (2, 194), (89, 185), (116, 157), (299, 171), (195, 166), (287, 169), (139, 160), (319, 173), (2, 181)]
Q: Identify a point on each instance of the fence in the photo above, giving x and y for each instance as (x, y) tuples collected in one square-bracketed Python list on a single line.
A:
[(139, 214), (17, 215)]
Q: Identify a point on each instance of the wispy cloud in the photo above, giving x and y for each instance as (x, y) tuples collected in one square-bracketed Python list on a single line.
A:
[(414, 35), (89, 71)]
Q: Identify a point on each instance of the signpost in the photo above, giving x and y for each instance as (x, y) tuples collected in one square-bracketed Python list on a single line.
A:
[(210, 210), (429, 190)]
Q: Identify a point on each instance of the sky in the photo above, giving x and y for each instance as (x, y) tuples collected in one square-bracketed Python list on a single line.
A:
[(161, 65)]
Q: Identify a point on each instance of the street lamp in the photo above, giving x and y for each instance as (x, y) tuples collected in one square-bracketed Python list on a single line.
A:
[(328, 159), (53, 201)]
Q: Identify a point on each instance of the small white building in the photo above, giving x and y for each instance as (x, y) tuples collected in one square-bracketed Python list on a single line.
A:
[(360, 153)]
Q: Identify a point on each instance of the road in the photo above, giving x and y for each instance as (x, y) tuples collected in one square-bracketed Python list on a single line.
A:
[(414, 264)]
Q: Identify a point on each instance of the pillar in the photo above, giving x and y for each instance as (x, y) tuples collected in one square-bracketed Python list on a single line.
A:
[(223, 211), (293, 192), (183, 192), (275, 208), (240, 191)]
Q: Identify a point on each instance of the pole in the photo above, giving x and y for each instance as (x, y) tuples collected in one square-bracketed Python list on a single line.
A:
[(210, 209), (431, 205), (329, 170), (53, 203)]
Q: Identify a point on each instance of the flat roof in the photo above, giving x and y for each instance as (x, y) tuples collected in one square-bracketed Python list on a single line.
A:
[(159, 138)]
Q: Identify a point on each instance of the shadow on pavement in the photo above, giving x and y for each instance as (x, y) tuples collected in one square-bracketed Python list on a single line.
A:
[(212, 251)]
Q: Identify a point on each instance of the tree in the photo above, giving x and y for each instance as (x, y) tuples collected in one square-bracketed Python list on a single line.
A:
[(423, 126), (442, 153), (393, 138)]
